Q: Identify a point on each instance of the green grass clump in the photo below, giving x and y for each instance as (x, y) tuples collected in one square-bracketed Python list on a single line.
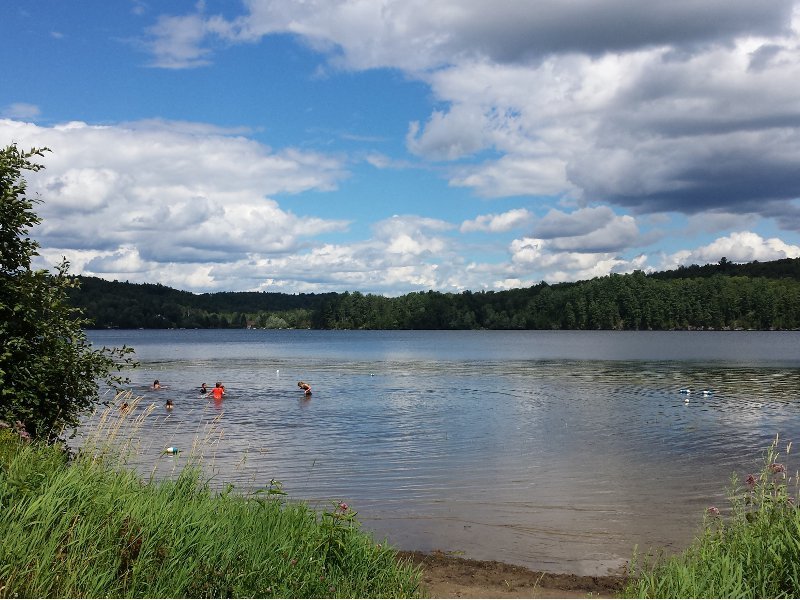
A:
[(754, 552), (84, 528)]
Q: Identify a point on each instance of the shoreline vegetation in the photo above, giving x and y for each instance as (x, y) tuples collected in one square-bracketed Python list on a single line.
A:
[(722, 296), (82, 524)]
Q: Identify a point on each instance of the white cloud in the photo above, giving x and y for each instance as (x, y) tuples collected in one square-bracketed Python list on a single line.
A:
[(415, 35), (685, 108), (144, 198), (740, 246), (515, 176), (679, 106), (541, 259), (457, 134), (593, 229), (512, 219), (20, 110), (177, 42)]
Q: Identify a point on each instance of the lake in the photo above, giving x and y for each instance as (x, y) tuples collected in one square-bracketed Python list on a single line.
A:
[(556, 450)]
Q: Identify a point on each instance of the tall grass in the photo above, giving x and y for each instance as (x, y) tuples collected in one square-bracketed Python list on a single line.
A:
[(753, 552), (88, 527)]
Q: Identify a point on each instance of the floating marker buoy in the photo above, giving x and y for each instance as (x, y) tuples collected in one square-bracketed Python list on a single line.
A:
[(171, 450)]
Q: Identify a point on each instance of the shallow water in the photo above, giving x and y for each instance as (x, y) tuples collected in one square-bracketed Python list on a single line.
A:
[(554, 450)]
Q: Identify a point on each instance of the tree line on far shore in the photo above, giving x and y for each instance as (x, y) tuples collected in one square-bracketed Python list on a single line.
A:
[(725, 295)]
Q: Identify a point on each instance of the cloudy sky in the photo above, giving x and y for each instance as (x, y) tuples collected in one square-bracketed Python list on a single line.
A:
[(390, 146)]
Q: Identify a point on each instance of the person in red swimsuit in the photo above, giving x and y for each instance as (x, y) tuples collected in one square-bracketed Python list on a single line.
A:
[(218, 392)]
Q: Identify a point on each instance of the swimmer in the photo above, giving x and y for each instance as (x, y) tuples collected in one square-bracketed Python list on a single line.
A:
[(218, 392), (169, 405), (203, 389), (305, 387), (124, 407), (156, 385)]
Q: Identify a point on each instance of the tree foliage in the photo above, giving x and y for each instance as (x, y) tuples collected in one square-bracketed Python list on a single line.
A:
[(723, 296), (49, 372)]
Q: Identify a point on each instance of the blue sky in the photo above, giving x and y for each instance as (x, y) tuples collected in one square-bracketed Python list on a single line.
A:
[(396, 146)]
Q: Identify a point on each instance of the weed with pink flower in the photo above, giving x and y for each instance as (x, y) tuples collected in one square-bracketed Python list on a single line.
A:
[(751, 550)]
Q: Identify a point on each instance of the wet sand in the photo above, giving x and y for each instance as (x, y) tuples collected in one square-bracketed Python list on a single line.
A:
[(448, 576)]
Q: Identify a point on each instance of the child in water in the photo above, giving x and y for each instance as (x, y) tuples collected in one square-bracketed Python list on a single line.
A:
[(156, 385), (169, 405), (305, 387), (218, 392)]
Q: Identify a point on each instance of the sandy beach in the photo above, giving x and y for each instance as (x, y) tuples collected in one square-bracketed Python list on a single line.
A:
[(447, 576)]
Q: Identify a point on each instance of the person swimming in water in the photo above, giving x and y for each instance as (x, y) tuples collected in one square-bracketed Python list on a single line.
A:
[(156, 385), (305, 387), (218, 392), (169, 405), (203, 389)]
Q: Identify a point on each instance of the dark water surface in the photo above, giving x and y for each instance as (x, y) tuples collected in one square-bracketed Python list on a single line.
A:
[(554, 450)]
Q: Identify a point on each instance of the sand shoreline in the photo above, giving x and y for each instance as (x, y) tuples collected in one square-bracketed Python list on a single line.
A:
[(447, 576)]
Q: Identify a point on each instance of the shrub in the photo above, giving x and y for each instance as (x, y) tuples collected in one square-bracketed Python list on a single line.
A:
[(754, 552), (49, 372)]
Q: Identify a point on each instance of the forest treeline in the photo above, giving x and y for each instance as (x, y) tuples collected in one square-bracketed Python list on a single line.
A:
[(757, 295)]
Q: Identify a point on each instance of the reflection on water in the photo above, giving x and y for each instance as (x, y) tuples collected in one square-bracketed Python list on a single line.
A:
[(496, 444)]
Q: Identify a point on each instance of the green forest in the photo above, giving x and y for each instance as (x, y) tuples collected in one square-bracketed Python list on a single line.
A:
[(725, 295)]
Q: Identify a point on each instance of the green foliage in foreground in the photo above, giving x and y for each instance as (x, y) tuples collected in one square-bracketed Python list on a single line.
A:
[(49, 372), (753, 553), (85, 529)]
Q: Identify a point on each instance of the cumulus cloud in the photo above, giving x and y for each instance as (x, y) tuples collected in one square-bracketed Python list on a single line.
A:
[(741, 246), (594, 229), (512, 219), (646, 131), (402, 254), (652, 108), (545, 260), (679, 106), (414, 35), (141, 197)]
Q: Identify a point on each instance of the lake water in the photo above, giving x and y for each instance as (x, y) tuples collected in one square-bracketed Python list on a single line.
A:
[(554, 450)]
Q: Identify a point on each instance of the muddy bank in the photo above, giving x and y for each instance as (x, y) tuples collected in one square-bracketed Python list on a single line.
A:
[(447, 576)]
